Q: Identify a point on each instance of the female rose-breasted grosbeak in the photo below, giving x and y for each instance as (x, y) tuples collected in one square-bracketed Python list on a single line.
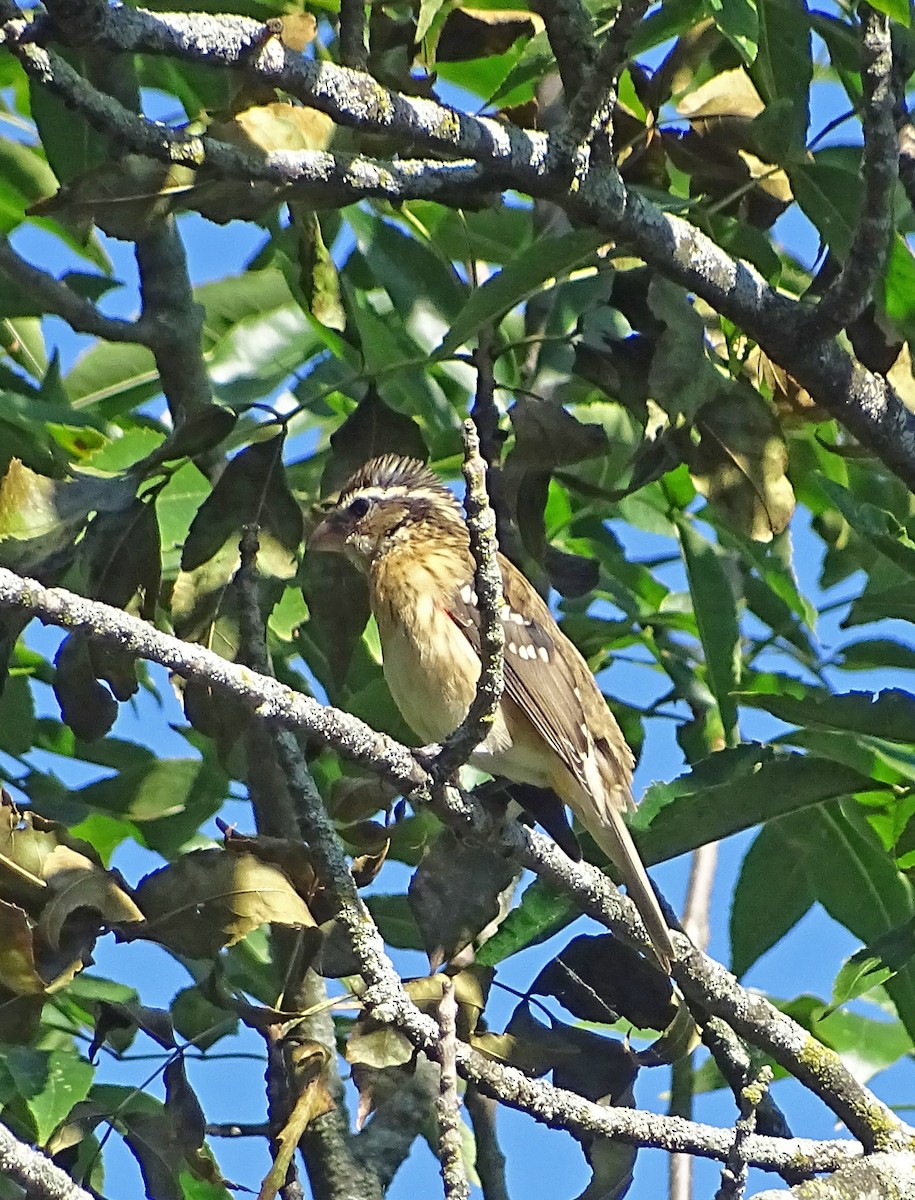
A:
[(405, 531)]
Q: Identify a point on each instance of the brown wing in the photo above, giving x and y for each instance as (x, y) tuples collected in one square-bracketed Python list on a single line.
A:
[(552, 687)]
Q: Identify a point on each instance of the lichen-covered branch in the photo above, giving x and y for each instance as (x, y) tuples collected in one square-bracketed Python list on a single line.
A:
[(34, 1172), (487, 581), (502, 156), (703, 981), (448, 1104), (591, 108), (848, 295)]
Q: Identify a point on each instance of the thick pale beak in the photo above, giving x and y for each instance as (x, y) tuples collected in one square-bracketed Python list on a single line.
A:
[(329, 536)]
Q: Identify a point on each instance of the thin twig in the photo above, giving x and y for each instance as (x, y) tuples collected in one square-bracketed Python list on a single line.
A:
[(487, 581), (447, 1103), (734, 1174), (490, 1161), (696, 927), (847, 297), (353, 34), (54, 296)]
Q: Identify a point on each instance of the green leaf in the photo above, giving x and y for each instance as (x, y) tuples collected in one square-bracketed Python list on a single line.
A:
[(50, 1083), (739, 22), (899, 281), (888, 714), (896, 10), (540, 913), (829, 193), (395, 921), (716, 615), (874, 965), (24, 178), (732, 790), (865, 1045), (534, 269), (873, 653), (897, 603), (783, 70), (112, 378), (879, 528), (770, 868), (857, 883)]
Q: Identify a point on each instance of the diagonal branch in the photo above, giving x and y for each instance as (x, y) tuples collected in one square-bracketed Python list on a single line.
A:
[(56, 297), (591, 108), (523, 159), (853, 289), (308, 174), (703, 981), (34, 1172)]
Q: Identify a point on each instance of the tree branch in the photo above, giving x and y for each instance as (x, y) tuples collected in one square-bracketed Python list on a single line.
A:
[(447, 1104), (591, 108), (490, 1161), (56, 297), (353, 34), (848, 295), (704, 982), (521, 159), (571, 35), (30, 1168), (307, 174), (487, 582)]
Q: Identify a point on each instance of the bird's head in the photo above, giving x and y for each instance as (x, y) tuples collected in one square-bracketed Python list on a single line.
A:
[(388, 502)]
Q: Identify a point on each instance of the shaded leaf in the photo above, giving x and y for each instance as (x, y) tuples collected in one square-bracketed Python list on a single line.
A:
[(532, 270), (210, 899), (716, 615), (458, 893), (769, 868)]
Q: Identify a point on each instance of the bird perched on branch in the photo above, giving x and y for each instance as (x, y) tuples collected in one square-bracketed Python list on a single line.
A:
[(405, 531)]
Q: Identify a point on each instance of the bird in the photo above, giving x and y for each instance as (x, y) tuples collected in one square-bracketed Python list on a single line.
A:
[(398, 523)]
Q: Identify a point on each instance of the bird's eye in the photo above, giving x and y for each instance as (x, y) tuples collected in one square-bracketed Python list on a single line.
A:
[(359, 507)]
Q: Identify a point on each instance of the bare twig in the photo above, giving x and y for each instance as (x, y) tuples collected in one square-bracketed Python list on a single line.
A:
[(703, 981), (238, 1129), (447, 1104), (490, 1161), (353, 34), (487, 580), (34, 1172), (849, 294), (696, 927), (734, 1174), (591, 108)]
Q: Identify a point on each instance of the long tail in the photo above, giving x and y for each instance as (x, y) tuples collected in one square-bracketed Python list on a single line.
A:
[(604, 821)]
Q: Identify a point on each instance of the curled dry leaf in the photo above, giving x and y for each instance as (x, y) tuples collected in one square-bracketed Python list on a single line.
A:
[(75, 882), (210, 899), (309, 1062)]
